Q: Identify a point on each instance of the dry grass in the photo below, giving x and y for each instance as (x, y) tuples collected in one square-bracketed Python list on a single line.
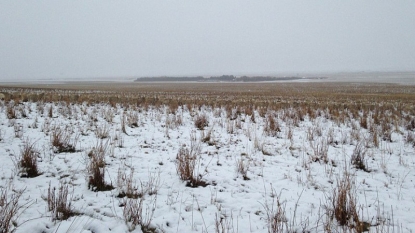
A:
[(242, 167), (102, 131), (410, 138), (224, 223), (276, 216), (59, 203), (123, 125), (50, 111), (376, 112), (9, 209), (187, 164), (272, 127), (206, 137), (344, 203), (132, 119), (10, 112), (96, 168), (28, 160), (411, 125), (61, 140), (358, 157), (18, 131), (344, 207), (133, 211), (152, 186), (126, 185), (340, 99), (320, 149), (136, 214), (201, 121)]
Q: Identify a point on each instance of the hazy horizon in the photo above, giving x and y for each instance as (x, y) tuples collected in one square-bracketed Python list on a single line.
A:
[(78, 39)]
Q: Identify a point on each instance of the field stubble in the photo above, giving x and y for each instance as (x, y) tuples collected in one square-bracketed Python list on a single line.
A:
[(270, 157)]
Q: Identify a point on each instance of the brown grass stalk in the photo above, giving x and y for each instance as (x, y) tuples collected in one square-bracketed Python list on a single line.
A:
[(59, 203), (28, 160), (9, 209)]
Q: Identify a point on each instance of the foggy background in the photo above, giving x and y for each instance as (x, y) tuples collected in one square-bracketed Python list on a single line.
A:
[(84, 39)]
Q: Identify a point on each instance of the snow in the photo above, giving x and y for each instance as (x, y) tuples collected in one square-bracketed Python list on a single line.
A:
[(280, 169)]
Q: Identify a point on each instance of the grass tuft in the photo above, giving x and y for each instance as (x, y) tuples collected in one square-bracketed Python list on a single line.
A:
[(61, 140), (28, 160), (201, 121), (96, 168), (59, 203), (344, 206), (358, 157), (135, 214), (9, 209), (187, 161)]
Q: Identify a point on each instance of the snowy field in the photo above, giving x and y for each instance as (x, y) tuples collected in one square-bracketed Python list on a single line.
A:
[(124, 168)]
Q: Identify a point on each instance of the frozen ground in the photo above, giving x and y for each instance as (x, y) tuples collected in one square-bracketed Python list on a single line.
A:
[(291, 172)]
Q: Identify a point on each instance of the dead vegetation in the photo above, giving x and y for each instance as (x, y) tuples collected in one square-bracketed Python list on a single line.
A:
[(10, 208), (271, 127), (201, 121), (188, 164), (96, 167), (361, 117), (344, 208), (27, 162), (242, 167), (61, 140), (136, 213), (276, 215), (358, 158), (127, 185), (60, 203)]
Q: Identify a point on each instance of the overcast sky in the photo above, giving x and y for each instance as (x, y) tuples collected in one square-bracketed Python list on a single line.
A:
[(77, 38)]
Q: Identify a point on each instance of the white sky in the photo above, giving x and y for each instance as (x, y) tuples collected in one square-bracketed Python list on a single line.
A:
[(77, 38)]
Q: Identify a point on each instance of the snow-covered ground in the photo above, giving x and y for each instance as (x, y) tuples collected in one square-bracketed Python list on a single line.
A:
[(291, 173)]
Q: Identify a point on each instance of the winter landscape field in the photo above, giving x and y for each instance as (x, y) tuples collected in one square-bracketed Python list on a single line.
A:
[(259, 157)]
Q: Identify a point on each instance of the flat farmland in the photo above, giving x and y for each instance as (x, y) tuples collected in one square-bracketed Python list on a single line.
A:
[(100, 156)]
